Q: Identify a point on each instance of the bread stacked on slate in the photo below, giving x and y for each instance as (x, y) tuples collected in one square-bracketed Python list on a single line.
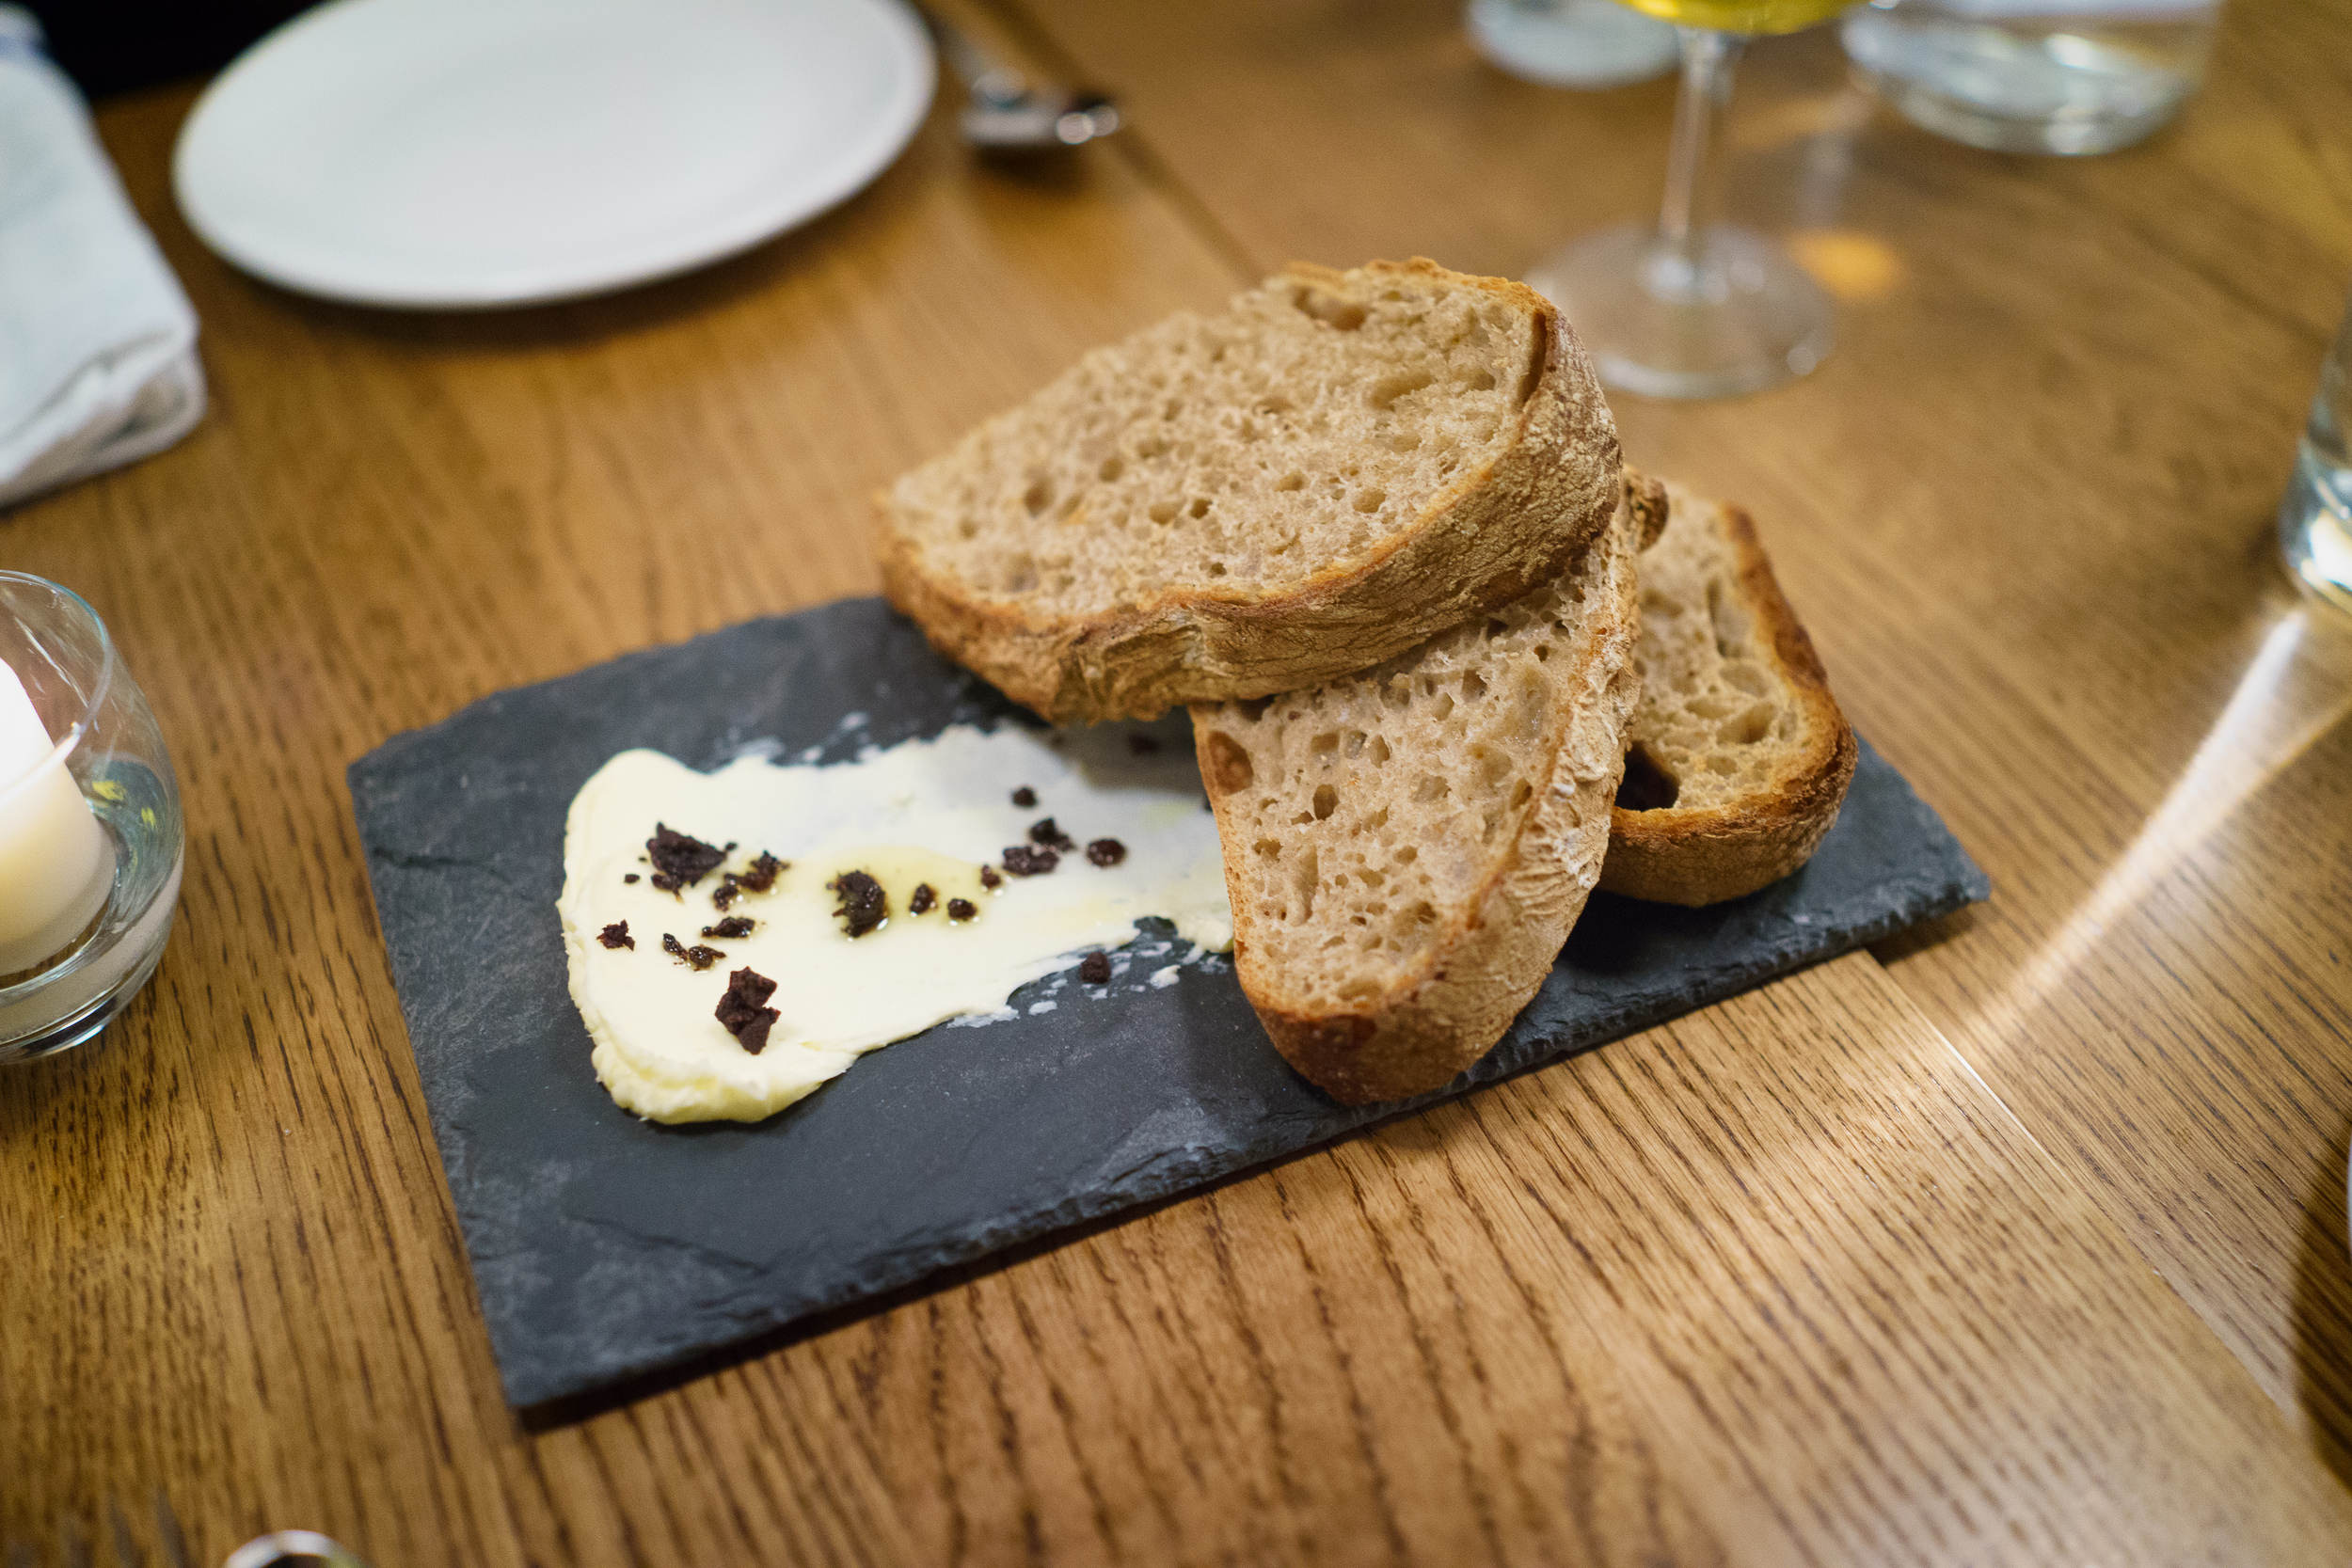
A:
[(1372, 525), (1336, 467), (1405, 848), (1738, 756)]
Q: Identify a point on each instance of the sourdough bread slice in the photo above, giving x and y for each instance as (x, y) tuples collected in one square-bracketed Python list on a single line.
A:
[(1336, 468), (1739, 758), (1406, 848)]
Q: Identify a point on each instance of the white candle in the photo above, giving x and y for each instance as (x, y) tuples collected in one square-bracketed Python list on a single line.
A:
[(56, 863)]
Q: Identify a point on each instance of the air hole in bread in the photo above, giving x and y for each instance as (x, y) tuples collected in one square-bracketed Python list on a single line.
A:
[(1496, 629), (1328, 741), (1647, 785), (1405, 854), (1326, 801), (1163, 512), (1345, 314), (1253, 708), (1230, 771), (1430, 787), (1200, 506), (1038, 497), (1292, 480), (1386, 391), (1479, 378), (1751, 726), (1304, 881), (1378, 750), (1543, 652), (968, 528), (1217, 568), (1112, 467), (1473, 686)]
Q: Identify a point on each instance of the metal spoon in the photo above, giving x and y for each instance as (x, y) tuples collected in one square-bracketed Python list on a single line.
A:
[(1008, 115)]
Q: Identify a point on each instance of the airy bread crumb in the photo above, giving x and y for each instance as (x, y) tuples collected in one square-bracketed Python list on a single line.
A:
[(1406, 848), (1336, 466), (1739, 758)]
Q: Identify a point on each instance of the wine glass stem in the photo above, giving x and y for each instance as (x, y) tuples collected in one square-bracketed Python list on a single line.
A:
[(1709, 58)]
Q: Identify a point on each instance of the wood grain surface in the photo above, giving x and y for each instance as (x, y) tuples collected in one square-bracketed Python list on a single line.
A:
[(2022, 1240)]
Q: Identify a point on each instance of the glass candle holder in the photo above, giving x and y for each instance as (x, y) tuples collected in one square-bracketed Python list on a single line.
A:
[(90, 837)]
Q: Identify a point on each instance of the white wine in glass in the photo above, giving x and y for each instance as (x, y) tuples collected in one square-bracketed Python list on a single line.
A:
[(1693, 309)]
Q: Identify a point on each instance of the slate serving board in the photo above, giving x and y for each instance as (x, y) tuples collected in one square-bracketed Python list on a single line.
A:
[(605, 1247)]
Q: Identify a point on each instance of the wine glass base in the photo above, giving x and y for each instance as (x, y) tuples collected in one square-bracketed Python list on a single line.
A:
[(1746, 318)]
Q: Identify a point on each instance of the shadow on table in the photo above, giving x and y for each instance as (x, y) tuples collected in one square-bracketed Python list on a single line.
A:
[(2323, 1312), (1927, 934)]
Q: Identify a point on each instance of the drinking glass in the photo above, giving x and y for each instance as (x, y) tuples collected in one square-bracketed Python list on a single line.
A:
[(1692, 307), (73, 962), (2065, 76), (2315, 518)]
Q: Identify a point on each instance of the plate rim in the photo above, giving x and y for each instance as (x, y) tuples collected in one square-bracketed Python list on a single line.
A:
[(903, 117)]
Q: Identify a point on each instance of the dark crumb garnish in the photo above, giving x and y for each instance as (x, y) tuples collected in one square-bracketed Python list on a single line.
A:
[(1095, 969), (1143, 745), (1044, 832), (1025, 797), (863, 906), (1022, 860), (630, 878), (616, 935), (962, 908), (743, 1010), (989, 879), (764, 872), (1106, 851), (722, 898), (679, 861), (733, 926), (923, 900), (696, 958)]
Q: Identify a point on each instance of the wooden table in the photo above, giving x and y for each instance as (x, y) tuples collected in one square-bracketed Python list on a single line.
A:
[(2019, 1239)]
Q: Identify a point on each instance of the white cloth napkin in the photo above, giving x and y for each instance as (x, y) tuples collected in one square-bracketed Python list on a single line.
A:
[(98, 361)]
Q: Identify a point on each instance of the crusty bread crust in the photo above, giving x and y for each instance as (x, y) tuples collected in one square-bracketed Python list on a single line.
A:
[(1704, 855), (1473, 981), (1495, 532)]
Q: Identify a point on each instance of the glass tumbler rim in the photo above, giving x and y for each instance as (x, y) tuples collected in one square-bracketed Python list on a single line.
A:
[(78, 612)]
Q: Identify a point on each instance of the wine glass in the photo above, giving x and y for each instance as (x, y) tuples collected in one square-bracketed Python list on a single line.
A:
[(1695, 309)]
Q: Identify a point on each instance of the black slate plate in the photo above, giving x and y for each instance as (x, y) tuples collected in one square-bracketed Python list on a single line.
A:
[(605, 1247)]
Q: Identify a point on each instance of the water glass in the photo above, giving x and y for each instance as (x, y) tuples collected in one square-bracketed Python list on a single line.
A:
[(2315, 519), (2066, 76)]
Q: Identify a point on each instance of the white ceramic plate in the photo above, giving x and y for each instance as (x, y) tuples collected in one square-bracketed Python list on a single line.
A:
[(463, 154)]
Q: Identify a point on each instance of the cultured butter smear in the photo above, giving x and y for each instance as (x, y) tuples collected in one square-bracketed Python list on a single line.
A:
[(928, 812)]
